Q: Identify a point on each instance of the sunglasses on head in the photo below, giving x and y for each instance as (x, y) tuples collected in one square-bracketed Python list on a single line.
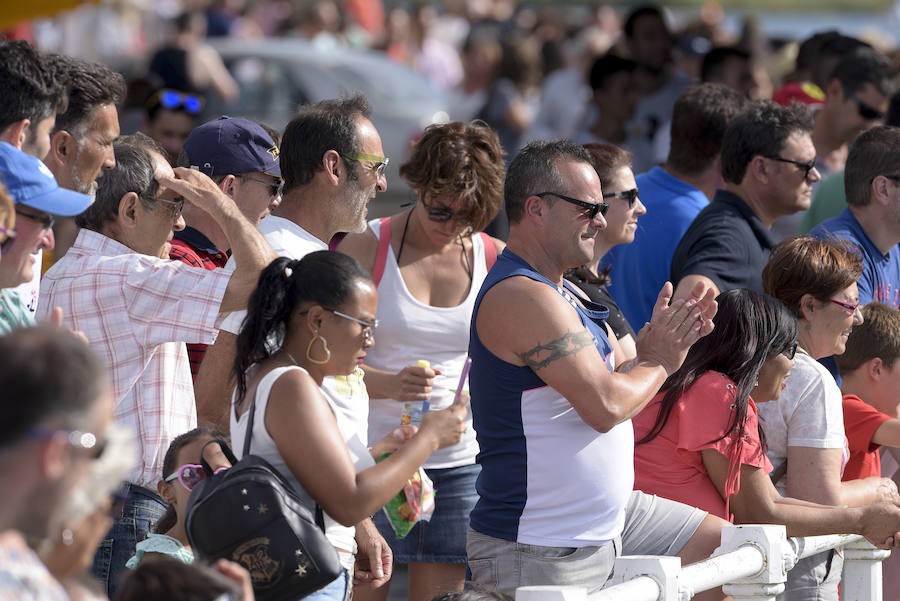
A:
[(791, 350), (865, 111), (86, 442), (592, 209), (190, 474), (173, 99), (630, 195)]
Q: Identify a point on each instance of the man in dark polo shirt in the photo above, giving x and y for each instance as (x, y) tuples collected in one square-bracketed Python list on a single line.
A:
[(768, 170), (240, 156)]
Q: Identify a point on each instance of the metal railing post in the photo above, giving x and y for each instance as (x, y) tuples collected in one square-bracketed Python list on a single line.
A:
[(664, 571), (551, 593), (771, 541), (861, 580)]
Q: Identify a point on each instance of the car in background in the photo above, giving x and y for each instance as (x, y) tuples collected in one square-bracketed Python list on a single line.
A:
[(276, 76)]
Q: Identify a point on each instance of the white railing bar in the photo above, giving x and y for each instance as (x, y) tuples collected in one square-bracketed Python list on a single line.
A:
[(642, 588), (810, 545), (723, 569)]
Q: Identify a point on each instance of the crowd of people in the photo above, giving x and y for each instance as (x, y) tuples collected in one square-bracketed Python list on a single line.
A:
[(657, 346)]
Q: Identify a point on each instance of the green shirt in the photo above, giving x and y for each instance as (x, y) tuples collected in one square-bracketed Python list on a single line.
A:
[(828, 201), (13, 312)]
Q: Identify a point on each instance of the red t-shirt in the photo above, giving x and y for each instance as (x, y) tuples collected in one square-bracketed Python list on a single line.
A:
[(671, 464), (184, 251), (860, 423)]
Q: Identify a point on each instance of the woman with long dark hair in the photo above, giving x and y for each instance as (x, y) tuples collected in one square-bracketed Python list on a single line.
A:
[(613, 166), (698, 440), (308, 319)]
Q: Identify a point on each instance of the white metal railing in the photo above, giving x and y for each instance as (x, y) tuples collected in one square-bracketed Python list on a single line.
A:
[(751, 565)]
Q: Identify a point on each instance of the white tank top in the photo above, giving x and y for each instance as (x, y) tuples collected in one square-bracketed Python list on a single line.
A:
[(262, 445), (409, 330)]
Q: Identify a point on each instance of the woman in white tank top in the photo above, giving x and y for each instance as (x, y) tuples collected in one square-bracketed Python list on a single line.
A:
[(429, 263), (321, 311)]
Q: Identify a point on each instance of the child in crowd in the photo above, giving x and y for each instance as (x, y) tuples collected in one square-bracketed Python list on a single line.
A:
[(181, 472), (871, 389)]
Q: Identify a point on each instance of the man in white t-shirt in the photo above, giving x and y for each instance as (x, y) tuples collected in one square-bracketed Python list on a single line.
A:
[(332, 164)]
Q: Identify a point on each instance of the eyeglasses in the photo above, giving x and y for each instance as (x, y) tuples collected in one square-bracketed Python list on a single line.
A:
[(592, 208), (791, 350), (190, 474), (45, 220), (444, 214), (368, 326), (380, 162), (851, 309), (630, 195), (84, 441), (805, 167), (865, 111), (175, 206), (173, 99), (275, 185)]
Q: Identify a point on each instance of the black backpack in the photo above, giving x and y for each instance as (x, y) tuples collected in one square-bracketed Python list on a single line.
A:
[(251, 515)]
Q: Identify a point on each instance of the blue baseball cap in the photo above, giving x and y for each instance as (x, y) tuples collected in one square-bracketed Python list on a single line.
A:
[(234, 146), (31, 183)]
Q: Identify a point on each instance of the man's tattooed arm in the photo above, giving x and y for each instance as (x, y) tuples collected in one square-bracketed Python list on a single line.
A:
[(544, 354)]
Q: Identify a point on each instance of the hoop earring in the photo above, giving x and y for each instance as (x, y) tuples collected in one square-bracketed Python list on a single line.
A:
[(324, 345)]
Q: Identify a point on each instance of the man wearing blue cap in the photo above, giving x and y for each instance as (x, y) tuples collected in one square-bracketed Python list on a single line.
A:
[(241, 157), (38, 199)]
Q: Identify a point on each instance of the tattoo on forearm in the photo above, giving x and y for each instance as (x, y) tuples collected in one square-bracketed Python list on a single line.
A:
[(569, 344)]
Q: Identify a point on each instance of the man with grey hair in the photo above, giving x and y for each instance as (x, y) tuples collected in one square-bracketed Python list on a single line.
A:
[(57, 409), (548, 390), (137, 309)]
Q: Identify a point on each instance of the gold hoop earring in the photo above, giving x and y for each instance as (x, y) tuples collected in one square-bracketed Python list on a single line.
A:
[(324, 345)]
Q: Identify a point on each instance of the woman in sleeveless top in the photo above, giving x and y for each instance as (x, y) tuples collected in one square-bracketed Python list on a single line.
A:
[(308, 319), (613, 166), (429, 262)]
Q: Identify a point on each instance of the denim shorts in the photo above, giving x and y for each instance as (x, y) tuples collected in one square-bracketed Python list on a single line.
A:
[(141, 511), (337, 590), (443, 538), (653, 526)]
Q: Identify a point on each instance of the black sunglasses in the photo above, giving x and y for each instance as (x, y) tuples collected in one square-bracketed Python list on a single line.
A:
[(630, 195), (591, 208), (865, 111), (791, 350), (804, 166)]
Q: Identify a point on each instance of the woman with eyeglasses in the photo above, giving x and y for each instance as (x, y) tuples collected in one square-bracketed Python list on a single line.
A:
[(620, 193), (181, 472), (429, 262), (807, 447), (308, 319)]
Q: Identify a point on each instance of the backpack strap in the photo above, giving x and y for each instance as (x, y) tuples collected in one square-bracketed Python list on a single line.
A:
[(384, 247), (490, 251), (226, 450)]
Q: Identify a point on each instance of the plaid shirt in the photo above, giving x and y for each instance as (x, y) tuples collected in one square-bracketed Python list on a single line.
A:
[(138, 311)]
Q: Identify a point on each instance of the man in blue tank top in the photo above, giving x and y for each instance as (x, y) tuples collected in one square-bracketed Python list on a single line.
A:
[(551, 406)]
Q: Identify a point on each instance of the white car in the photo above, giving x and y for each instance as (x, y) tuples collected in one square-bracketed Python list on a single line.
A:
[(278, 75)]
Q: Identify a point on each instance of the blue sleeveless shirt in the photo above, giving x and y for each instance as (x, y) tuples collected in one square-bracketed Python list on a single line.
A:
[(547, 478)]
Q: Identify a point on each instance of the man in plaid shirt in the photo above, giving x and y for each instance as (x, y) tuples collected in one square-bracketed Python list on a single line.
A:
[(137, 309)]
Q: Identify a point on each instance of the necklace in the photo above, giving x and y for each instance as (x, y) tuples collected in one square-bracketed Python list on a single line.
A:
[(462, 244), (291, 357)]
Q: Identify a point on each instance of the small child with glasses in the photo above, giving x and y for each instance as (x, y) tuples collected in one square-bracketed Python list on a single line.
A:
[(181, 472)]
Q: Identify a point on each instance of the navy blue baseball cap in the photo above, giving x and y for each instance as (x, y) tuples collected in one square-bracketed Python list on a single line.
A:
[(32, 184), (234, 146)]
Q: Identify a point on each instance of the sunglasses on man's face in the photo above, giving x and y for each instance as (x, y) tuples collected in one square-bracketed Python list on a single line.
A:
[(173, 99), (865, 111), (591, 209), (46, 220)]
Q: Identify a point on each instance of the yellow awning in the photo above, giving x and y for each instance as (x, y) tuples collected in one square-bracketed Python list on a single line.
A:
[(13, 12)]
